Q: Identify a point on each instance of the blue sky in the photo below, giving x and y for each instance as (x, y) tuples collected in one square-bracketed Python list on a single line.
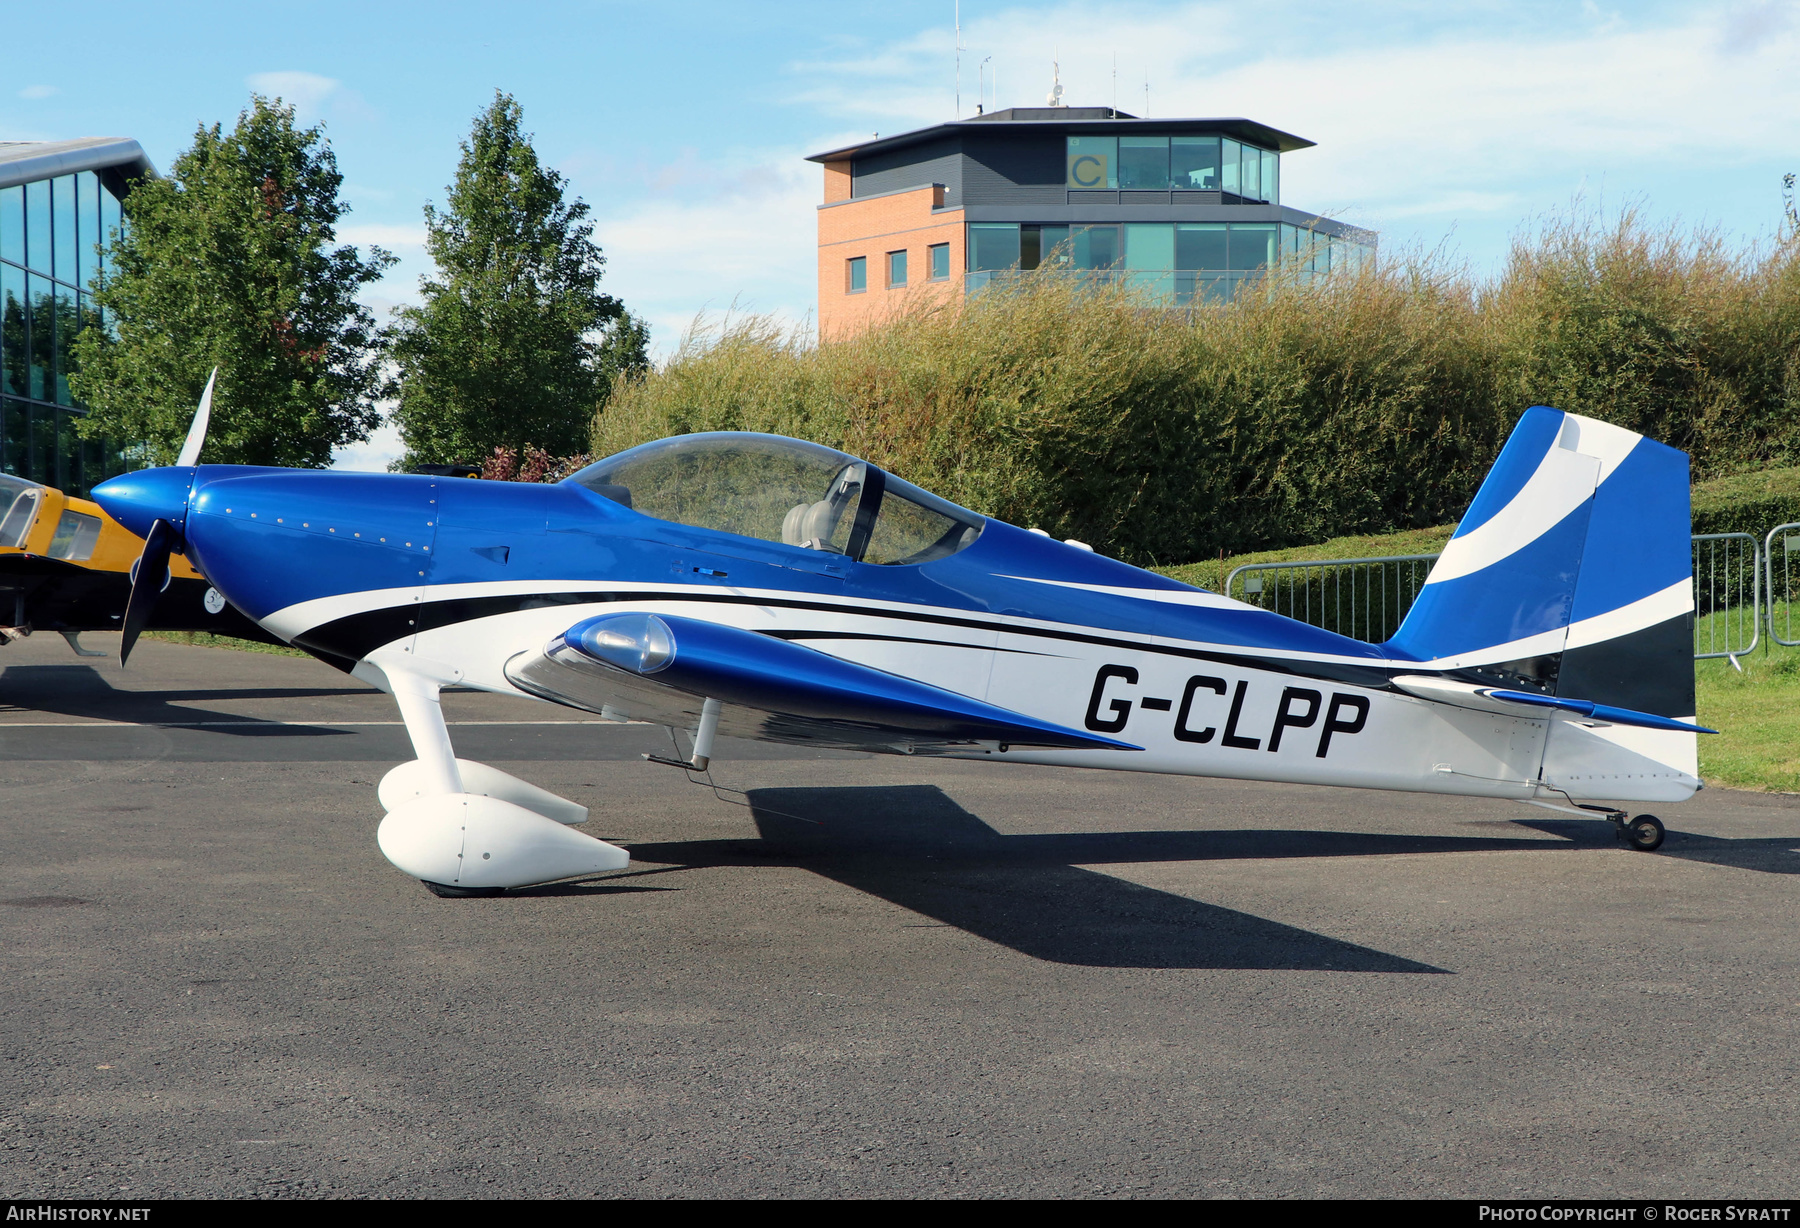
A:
[(684, 125)]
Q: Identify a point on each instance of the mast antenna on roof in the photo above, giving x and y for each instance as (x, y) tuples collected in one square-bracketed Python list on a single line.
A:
[(1055, 98), (958, 19)]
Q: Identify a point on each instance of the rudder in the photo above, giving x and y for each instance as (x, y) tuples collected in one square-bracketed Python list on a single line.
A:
[(1571, 575)]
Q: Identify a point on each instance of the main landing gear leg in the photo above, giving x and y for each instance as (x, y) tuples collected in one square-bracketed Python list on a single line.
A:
[(422, 710), (467, 829)]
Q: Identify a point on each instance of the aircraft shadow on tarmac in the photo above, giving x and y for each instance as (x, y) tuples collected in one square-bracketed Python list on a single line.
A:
[(914, 846), (1777, 855), (83, 691)]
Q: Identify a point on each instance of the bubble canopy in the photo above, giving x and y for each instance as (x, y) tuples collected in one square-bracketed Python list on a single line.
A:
[(784, 490)]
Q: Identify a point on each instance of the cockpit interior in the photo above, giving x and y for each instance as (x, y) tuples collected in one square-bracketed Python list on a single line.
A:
[(784, 490)]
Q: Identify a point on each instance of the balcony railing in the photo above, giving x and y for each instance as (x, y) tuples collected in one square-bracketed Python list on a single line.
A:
[(1171, 287)]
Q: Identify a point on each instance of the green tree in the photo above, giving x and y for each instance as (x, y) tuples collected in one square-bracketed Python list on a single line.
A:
[(232, 262), (513, 345)]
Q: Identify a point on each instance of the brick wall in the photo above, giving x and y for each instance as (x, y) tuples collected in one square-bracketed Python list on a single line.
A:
[(871, 228)]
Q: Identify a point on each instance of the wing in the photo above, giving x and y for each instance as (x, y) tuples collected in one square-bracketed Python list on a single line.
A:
[(660, 667)]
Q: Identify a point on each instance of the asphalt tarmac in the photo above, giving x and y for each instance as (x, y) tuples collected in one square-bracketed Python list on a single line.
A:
[(850, 975)]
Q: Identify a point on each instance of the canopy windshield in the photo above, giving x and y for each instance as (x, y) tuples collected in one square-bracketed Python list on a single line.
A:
[(783, 490), (18, 506)]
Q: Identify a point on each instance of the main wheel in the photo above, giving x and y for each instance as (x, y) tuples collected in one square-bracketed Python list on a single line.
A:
[(1645, 833), (447, 892)]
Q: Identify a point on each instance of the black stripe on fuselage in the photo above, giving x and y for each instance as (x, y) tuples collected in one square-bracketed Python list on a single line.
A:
[(357, 635)]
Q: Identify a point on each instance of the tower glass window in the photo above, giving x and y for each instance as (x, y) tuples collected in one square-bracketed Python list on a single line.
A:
[(856, 274), (993, 246), (1094, 247), (66, 327), (1150, 258), (938, 255), (1200, 245), (896, 269), (62, 198), (1040, 245), (40, 327), (14, 345), (1252, 247), (12, 224), (87, 226), (37, 225), (1093, 162), (1144, 162), (112, 220), (1194, 163)]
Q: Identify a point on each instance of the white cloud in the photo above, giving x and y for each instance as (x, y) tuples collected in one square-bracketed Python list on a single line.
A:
[(739, 237), (1425, 116), (306, 91), (1416, 111), (374, 454), (35, 92), (1483, 113)]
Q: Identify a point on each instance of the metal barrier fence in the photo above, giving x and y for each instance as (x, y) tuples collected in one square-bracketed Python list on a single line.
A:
[(1366, 599), (1727, 595), (1782, 543)]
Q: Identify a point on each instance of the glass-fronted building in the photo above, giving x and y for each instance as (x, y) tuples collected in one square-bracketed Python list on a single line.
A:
[(1185, 209), (60, 202)]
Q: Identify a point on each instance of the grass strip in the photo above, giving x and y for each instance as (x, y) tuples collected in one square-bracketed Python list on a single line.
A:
[(206, 639)]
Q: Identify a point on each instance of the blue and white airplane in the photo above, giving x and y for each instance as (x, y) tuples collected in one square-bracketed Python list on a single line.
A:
[(768, 588)]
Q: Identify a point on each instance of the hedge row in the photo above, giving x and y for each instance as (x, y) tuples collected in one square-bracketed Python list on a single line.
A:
[(1748, 502), (1308, 410)]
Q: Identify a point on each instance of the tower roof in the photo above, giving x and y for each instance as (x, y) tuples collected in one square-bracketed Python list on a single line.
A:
[(1074, 121)]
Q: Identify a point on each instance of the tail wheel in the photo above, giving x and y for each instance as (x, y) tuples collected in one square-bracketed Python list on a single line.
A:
[(1645, 833)]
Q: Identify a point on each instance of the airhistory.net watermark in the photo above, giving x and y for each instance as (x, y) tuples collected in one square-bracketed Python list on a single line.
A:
[(51, 1213)]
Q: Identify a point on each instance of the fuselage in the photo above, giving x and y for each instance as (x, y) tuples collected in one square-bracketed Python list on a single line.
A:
[(466, 575)]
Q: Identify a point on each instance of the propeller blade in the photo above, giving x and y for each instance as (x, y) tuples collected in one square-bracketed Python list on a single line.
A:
[(149, 578), (196, 436)]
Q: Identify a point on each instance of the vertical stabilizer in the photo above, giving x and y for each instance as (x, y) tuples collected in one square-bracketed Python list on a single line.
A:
[(1571, 575)]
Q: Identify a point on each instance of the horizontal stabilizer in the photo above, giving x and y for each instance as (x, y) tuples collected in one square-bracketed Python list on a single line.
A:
[(1600, 712), (839, 700), (1521, 703)]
